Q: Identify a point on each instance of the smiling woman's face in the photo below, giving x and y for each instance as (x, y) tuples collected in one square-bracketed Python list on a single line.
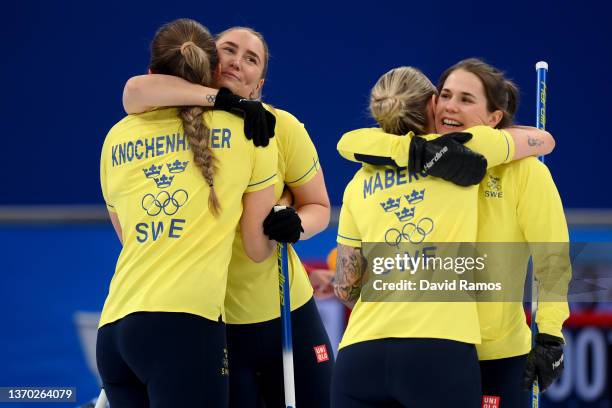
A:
[(462, 104), (241, 63)]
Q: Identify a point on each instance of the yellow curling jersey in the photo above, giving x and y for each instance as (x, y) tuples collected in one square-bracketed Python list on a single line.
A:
[(175, 253), (252, 288), (526, 207), (518, 202), (381, 199), (393, 149)]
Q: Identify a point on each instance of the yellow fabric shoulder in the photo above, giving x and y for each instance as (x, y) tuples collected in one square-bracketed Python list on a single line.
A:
[(252, 288), (175, 253), (374, 146)]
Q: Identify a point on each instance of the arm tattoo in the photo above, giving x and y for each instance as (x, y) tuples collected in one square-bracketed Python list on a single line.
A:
[(350, 267), (534, 141), (211, 98)]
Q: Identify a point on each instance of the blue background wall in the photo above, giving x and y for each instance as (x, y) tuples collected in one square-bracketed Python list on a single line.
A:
[(65, 64)]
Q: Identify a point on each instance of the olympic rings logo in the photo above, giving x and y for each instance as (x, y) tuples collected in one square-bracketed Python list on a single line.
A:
[(169, 204), (411, 232)]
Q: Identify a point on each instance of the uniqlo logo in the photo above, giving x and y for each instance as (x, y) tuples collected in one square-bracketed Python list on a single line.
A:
[(321, 353), (490, 401)]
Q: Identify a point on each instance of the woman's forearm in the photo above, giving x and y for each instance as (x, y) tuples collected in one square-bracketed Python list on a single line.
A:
[(145, 92), (315, 218), (350, 271), (312, 205), (256, 206), (530, 141)]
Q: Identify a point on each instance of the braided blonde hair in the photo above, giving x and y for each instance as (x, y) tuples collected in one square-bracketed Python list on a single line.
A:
[(186, 49)]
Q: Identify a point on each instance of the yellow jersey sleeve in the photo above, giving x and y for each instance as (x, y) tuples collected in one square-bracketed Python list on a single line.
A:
[(541, 205), (300, 158), (348, 233), (265, 167), (496, 145), (376, 147), (104, 177)]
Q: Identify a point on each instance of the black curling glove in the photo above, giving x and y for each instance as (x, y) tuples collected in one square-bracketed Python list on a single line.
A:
[(258, 122), (544, 362), (447, 158), (283, 224)]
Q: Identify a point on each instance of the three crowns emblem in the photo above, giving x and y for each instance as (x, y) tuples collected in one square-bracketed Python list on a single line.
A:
[(165, 181)]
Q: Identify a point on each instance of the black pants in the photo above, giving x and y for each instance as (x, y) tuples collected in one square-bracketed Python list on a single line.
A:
[(503, 378), (256, 366), (408, 373), (163, 360)]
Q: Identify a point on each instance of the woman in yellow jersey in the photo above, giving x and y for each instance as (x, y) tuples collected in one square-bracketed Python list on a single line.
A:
[(530, 210), (410, 345), (251, 303), (471, 93), (177, 182)]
